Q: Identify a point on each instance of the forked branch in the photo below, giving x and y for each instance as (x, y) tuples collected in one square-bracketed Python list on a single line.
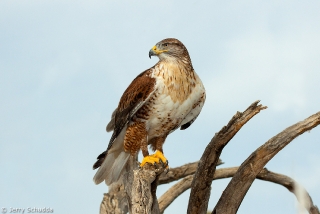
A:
[(180, 172), (201, 185), (301, 194), (234, 193)]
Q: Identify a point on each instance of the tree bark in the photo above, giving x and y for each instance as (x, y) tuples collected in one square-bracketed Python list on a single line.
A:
[(299, 191), (116, 200), (144, 186), (170, 195), (301, 194), (201, 185), (234, 193), (135, 192), (180, 172)]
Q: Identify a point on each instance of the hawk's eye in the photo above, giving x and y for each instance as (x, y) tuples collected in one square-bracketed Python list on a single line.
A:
[(165, 44)]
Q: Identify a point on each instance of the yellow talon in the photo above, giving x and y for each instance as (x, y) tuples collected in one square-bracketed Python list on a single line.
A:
[(161, 157), (155, 158)]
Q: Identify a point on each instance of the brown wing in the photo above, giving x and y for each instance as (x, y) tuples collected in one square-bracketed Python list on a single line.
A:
[(133, 98)]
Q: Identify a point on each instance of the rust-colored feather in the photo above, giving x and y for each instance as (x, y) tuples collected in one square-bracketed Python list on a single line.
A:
[(135, 134), (132, 99)]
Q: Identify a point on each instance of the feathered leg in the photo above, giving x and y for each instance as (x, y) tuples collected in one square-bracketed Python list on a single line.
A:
[(158, 156)]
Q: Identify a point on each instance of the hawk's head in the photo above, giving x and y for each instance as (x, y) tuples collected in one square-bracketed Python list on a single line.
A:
[(168, 49)]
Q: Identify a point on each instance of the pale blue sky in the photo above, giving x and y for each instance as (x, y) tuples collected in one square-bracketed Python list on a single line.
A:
[(65, 64)]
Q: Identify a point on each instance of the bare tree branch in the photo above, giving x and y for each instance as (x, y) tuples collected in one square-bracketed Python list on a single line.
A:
[(185, 171), (181, 172), (201, 185), (170, 195), (144, 186), (135, 192), (299, 191), (138, 195), (142, 199), (233, 195), (116, 200), (302, 195)]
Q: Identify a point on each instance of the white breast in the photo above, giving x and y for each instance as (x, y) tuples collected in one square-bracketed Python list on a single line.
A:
[(167, 115)]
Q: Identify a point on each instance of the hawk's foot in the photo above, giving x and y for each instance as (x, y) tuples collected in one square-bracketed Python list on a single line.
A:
[(157, 157)]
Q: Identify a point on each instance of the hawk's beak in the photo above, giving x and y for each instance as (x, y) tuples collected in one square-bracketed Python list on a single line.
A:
[(151, 53), (155, 51)]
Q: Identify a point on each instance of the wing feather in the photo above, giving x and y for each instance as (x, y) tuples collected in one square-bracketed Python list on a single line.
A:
[(110, 126), (138, 92)]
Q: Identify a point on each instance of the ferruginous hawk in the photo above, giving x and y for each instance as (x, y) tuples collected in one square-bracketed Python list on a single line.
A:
[(158, 101)]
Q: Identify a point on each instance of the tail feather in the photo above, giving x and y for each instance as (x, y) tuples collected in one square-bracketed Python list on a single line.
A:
[(104, 169), (111, 162), (100, 160), (117, 168)]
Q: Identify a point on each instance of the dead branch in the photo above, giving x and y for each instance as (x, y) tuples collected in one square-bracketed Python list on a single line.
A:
[(180, 172), (201, 185), (142, 199), (234, 193), (135, 192), (303, 196), (300, 192), (170, 195), (116, 200), (144, 186), (138, 195)]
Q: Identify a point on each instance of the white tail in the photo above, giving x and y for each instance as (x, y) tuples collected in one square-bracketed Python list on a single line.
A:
[(114, 163), (117, 168)]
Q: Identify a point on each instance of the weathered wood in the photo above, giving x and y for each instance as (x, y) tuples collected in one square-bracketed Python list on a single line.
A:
[(177, 173), (234, 193), (143, 199), (170, 195), (299, 191), (116, 200), (201, 185), (136, 190), (301, 194)]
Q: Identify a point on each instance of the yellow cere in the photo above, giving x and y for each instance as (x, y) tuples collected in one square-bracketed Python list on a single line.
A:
[(156, 51)]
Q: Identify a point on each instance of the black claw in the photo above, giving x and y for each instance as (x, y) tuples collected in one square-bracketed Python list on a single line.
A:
[(161, 162), (139, 164), (167, 170), (164, 164)]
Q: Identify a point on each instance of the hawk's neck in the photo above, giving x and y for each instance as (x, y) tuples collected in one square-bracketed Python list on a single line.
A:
[(178, 78)]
